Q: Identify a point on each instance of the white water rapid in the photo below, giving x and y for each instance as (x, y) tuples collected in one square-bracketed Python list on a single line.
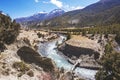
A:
[(49, 49)]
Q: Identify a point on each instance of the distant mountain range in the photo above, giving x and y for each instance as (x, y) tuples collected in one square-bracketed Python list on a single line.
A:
[(104, 12), (36, 18)]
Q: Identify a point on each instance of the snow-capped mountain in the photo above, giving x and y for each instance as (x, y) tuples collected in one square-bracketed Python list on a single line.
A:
[(41, 16), (55, 13)]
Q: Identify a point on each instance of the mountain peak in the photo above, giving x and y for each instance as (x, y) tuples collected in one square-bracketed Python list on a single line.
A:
[(57, 11), (43, 12)]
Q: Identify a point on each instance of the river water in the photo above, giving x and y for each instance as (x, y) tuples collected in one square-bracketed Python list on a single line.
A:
[(49, 49)]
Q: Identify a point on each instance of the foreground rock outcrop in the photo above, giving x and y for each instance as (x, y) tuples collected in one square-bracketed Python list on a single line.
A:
[(30, 56), (79, 47)]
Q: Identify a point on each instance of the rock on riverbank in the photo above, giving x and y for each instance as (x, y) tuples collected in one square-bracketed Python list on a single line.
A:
[(79, 47)]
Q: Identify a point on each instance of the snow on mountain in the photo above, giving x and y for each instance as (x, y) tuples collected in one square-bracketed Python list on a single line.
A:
[(41, 16), (60, 11), (55, 13)]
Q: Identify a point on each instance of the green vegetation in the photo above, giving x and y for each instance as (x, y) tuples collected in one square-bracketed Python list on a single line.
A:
[(111, 67), (9, 30), (117, 38), (40, 35), (2, 47), (27, 41), (110, 62), (111, 29), (21, 67), (68, 36), (6, 72), (108, 48)]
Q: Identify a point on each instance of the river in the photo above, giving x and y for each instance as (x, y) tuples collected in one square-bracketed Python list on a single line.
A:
[(49, 49)]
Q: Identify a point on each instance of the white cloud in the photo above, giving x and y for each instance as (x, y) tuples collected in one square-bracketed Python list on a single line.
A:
[(77, 7), (70, 8), (45, 2), (36, 1), (62, 5), (57, 3)]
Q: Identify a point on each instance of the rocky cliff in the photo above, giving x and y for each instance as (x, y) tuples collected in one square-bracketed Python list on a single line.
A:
[(79, 47)]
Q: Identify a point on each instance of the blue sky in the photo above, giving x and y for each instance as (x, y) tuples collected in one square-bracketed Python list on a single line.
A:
[(22, 8)]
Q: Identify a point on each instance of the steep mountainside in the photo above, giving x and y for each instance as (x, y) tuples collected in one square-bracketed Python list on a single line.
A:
[(102, 12)]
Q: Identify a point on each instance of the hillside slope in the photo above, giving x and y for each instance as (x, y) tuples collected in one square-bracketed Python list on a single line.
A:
[(102, 12)]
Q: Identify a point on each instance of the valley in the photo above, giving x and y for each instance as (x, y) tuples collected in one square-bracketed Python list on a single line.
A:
[(60, 44), (27, 44)]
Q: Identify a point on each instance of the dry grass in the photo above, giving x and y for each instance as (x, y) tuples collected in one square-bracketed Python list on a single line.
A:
[(81, 41)]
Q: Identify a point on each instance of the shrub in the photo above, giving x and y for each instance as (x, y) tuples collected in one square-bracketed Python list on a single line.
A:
[(9, 30), (27, 41), (5, 72), (30, 73), (20, 74), (68, 36), (83, 33), (108, 48), (117, 38), (111, 67), (21, 66), (40, 35), (2, 47)]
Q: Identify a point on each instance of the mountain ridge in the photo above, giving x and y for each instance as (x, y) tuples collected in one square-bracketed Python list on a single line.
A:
[(38, 17), (96, 14)]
